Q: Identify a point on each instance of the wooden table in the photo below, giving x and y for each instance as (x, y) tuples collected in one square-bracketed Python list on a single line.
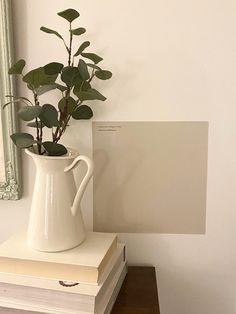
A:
[(138, 294)]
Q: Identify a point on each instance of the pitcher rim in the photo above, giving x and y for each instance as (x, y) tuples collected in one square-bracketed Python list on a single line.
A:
[(71, 154)]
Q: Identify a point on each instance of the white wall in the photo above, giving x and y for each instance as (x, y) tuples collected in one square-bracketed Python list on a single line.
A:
[(172, 61)]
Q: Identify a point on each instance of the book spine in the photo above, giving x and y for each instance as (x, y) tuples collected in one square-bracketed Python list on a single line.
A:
[(109, 298), (119, 263)]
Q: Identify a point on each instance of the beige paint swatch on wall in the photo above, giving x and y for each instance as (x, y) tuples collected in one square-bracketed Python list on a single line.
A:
[(150, 177)]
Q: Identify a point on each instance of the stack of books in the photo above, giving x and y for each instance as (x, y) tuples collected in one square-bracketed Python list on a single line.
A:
[(83, 280)]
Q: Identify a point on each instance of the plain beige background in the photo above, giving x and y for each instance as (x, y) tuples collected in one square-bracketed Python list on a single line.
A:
[(150, 177), (173, 60)]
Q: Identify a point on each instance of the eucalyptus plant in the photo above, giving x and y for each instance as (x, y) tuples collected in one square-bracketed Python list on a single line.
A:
[(73, 81)]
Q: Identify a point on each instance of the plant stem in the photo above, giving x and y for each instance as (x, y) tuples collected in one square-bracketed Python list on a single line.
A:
[(92, 76), (62, 130), (67, 49), (70, 47), (38, 125), (63, 115)]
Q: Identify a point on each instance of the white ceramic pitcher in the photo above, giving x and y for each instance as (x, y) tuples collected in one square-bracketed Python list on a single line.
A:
[(56, 222)]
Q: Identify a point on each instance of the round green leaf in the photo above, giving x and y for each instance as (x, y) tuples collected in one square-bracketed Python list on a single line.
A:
[(103, 75), (32, 78), (23, 140), (38, 77), (61, 87), (45, 88), (49, 116), (81, 86), (83, 70), (17, 68), (78, 31), (53, 68), (34, 125), (92, 56), (83, 46), (69, 102), (47, 79), (29, 113), (83, 113), (91, 94), (54, 149), (70, 75), (93, 66), (70, 15), (50, 31)]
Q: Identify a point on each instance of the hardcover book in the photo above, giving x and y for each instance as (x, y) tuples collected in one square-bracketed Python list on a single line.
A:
[(55, 296), (83, 264)]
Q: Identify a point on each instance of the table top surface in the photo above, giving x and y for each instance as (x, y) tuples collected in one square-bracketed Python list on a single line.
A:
[(138, 294)]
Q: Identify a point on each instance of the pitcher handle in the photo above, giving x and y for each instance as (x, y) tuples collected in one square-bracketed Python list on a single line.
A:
[(84, 182)]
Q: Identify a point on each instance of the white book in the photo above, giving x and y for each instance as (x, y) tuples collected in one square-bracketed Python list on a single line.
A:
[(106, 304), (49, 296), (84, 263), (104, 307)]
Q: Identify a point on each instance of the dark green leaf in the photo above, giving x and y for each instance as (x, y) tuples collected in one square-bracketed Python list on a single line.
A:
[(81, 86), (49, 116), (93, 66), (50, 31), (69, 102), (92, 56), (53, 68), (78, 31), (54, 149), (83, 70), (70, 75), (61, 87), (91, 94), (38, 77), (70, 15), (82, 113), (23, 140), (45, 88), (29, 113), (103, 75), (17, 68), (48, 79), (34, 124), (82, 48)]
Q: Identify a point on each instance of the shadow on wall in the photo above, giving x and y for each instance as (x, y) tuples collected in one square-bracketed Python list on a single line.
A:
[(20, 41)]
